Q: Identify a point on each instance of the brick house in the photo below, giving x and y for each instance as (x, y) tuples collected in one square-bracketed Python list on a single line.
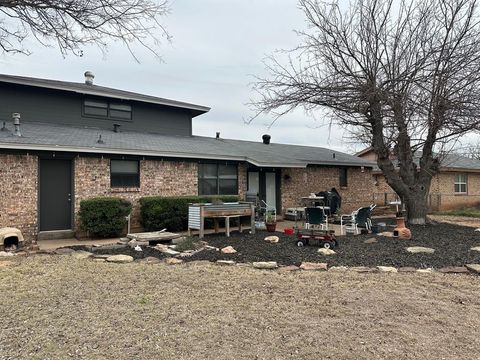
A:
[(456, 185), (72, 141)]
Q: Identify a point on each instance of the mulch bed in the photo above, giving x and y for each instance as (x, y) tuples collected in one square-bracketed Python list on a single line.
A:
[(451, 243)]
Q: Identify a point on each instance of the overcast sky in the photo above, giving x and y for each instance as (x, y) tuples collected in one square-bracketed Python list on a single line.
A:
[(217, 46)]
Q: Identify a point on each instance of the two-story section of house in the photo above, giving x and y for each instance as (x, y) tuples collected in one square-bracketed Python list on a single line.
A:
[(62, 142)]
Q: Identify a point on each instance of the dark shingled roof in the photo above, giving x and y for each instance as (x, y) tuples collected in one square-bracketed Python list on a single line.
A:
[(448, 162), (96, 90), (53, 137)]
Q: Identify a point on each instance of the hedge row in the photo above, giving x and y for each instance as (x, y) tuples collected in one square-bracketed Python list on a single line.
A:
[(104, 216), (158, 212)]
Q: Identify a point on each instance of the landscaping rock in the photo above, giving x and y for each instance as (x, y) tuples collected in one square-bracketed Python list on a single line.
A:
[(289, 268), (80, 255), (112, 247), (324, 251), (338, 268), (425, 271), (101, 256), (6, 254), (370, 241), (64, 251), (454, 270), (134, 243), (229, 250), (208, 247), (313, 266), (387, 269), (166, 250), (173, 261), (420, 249), (272, 239), (474, 268), (265, 265), (150, 260), (225, 262), (407, 269), (124, 239), (120, 259), (98, 260), (475, 248), (362, 269)]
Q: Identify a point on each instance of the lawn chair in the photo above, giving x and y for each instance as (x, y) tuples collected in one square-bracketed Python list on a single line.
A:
[(360, 218), (315, 217)]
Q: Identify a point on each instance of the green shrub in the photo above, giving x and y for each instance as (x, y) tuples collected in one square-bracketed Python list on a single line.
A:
[(158, 212), (188, 243), (104, 216)]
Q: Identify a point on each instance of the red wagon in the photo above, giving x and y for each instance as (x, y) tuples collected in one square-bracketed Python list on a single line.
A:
[(325, 238)]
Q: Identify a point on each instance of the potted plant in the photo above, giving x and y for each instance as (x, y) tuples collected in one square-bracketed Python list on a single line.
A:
[(270, 221)]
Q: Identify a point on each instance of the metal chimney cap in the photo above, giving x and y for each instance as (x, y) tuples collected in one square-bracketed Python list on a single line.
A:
[(266, 139), (89, 76), (217, 135)]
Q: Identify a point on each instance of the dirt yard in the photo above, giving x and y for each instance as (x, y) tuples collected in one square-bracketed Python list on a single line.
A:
[(55, 307)]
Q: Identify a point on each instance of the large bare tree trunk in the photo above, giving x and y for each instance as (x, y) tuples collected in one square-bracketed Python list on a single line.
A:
[(399, 76)]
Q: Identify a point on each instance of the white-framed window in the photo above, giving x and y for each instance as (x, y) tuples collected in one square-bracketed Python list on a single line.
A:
[(460, 183)]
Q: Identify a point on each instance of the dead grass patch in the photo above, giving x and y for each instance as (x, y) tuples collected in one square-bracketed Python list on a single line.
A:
[(56, 307)]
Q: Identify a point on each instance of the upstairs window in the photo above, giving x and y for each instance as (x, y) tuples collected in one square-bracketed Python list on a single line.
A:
[(124, 173), (106, 109), (217, 179), (343, 175), (460, 183)]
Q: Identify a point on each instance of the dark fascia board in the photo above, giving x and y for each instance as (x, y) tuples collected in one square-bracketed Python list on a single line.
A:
[(95, 90)]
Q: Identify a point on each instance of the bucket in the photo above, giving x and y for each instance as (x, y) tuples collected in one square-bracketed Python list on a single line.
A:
[(288, 231)]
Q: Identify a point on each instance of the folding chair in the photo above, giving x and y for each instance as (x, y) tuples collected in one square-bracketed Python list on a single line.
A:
[(315, 217), (360, 218)]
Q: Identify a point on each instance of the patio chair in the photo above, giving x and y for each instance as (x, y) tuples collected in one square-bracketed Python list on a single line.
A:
[(360, 218), (315, 217)]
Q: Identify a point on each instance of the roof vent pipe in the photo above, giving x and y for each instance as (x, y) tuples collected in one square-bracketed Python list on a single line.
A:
[(16, 124), (116, 128), (4, 127), (333, 155), (217, 136), (89, 77), (266, 139)]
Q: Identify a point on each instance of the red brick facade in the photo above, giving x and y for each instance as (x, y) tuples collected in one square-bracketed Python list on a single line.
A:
[(297, 183), (163, 178), (18, 193), (19, 186)]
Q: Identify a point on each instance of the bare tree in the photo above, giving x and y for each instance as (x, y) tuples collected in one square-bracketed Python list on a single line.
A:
[(401, 76), (73, 24)]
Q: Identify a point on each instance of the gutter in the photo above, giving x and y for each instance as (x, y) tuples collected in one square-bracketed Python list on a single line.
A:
[(94, 149)]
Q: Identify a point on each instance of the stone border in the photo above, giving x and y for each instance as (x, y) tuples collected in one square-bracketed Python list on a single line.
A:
[(264, 265)]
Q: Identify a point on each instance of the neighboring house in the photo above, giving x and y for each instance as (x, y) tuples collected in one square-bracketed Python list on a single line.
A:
[(74, 141), (456, 185)]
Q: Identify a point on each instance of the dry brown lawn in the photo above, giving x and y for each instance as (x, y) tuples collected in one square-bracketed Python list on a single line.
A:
[(54, 307)]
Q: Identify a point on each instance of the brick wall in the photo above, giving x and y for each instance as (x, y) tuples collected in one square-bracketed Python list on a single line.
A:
[(442, 191), (18, 193), (242, 181), (297, 183), (162, 178)]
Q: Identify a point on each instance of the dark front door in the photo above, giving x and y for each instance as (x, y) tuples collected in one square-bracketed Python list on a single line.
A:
[(55, 194)]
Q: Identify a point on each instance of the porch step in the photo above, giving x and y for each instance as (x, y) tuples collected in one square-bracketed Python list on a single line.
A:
[(55, 235)]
